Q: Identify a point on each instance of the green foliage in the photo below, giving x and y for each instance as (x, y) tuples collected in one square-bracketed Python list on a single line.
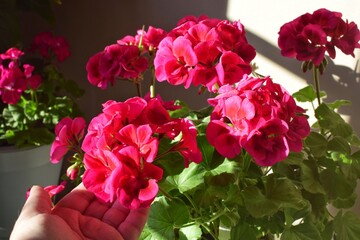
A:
[(32, 120), (290, 199)]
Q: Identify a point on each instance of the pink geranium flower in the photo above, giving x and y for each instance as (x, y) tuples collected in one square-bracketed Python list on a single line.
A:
[(122, 175), (206, 52), (68, 133), (51, 189), (174, 60), (256, 114), (12, 83), (140, 137)]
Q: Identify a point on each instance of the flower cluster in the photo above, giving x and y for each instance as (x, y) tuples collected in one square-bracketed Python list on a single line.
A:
[(248, 161), (121, 146), (206, 52), (259, 116), (122, 142), (309, 36), (15, 77), (46, 44), (124, 60), (34, 93)]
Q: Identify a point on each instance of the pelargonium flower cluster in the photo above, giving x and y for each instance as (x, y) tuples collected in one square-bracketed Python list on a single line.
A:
[(204, 51), (122, 144), (48, 45), (309, 36), (15, 77), (127, 59), (259, 116)]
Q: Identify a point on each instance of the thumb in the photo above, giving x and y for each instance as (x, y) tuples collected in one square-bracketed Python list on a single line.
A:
[(38, 202)]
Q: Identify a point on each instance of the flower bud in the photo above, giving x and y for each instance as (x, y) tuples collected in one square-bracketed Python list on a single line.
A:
[(72, 172)]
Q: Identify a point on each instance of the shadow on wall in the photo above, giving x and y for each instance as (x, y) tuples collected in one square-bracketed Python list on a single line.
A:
[(338, 81)]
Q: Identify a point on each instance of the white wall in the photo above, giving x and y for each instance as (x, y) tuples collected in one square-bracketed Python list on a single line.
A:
[(263, 19)]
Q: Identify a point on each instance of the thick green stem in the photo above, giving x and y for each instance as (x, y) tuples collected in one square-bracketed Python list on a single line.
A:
[(317, 84)]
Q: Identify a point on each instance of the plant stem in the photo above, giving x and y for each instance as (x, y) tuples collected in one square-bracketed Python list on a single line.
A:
[(152, 84), (217, 215), (165, 193), (209, 231), (138, 88), (317, 83)]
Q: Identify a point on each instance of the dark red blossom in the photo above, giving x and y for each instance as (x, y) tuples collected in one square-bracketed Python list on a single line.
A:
[(48, 45), (115, 62), (310, 36)]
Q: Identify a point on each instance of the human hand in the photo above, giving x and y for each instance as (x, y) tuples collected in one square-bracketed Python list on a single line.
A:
[(78, 215)]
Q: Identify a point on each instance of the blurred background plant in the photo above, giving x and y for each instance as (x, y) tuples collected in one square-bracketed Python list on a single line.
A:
[(35, 94)]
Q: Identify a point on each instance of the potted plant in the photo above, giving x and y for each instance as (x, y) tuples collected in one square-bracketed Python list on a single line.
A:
[(34, 96), (250, 162)]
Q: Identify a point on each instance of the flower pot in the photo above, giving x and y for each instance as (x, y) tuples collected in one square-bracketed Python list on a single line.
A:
[(19, 170)]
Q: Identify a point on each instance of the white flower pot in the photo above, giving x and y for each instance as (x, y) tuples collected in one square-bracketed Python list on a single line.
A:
[(19, 170)]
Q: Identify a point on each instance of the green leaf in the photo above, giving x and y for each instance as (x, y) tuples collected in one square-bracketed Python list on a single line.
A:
[(317, 201), (207, 151), (317, 144), (257, 204), (146, 234), (342, 129), (328, 232), (345, 203), (226, 167), (339, 144), (347, 226), (30, 110), (307, 94), (280, 192), (336, 185), (304, 231), (192, 232), (180, 112), (244, 230), (190, 178), (310, 178), (284, 192), (166, 216), (329, 119), (338, 103), (172, 163)]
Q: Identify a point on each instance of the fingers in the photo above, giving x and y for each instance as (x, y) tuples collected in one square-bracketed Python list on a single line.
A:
[(78, 199), (95, 229), (38, 202), (116, 214), (133, 225)]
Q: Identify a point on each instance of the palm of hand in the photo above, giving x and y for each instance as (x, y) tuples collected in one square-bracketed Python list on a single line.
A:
[(79, 215)]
